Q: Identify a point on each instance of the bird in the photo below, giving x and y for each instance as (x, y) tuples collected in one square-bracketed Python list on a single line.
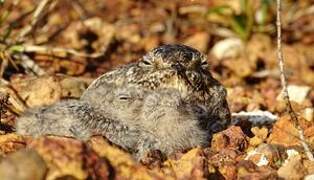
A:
[(168, 100), (137, 120), (173, 66)]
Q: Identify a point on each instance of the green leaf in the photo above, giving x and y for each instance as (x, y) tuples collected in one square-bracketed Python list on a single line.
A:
[(220, 10), (17, 48), (238, 25)]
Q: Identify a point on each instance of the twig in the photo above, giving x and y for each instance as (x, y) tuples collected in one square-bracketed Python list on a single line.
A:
[(283, 79), (80, 9), (60, 52), (4, 63), (27, 62), (29, 65), (36, 16)]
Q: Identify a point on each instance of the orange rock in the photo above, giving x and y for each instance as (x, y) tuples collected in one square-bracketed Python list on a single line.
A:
[(284, 133), (260, 132), (293, 168), (260, 135), (233, 138), (309, 165), (191, 165), (11, 143), (123, 164)]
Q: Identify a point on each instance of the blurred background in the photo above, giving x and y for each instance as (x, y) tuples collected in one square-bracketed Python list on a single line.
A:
[(88, 38)]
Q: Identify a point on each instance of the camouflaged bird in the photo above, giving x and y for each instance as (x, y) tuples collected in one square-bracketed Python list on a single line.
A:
[(188, 105), (139, 121), (177, 67)]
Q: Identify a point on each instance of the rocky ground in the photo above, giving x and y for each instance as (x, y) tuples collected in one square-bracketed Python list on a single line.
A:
[(73, 42)]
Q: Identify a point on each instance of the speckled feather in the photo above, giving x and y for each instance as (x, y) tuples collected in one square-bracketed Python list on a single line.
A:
[(167, 101), (172, 66), (153, 120)]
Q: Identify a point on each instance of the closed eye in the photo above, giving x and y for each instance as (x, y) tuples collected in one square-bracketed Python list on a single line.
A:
[(147, 63), (123, 97)]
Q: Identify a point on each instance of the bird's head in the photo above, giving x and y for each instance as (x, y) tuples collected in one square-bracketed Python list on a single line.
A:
[(175, 66)]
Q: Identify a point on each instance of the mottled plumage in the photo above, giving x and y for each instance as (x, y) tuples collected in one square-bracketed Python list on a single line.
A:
[(168, 101), (172, 66), (136, 120)]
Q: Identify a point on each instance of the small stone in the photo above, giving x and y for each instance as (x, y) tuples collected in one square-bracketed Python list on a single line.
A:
[(308, 114), (260, 132), (309, 165), (199, 41), (23, 164), (248, 170), (245, 70), (190, 166), (72, 87), (284, 133), (309, 177), (233, 138), (296, 93), (260, 135), (11, 143), (225, 161), (292, 169), (38, 91), (125, 167), (66, 157), (255, 141), (228, 48), (265, 155)]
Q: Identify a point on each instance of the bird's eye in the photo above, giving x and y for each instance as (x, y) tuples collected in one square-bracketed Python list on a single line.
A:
[(146, 61), (123, 97)]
